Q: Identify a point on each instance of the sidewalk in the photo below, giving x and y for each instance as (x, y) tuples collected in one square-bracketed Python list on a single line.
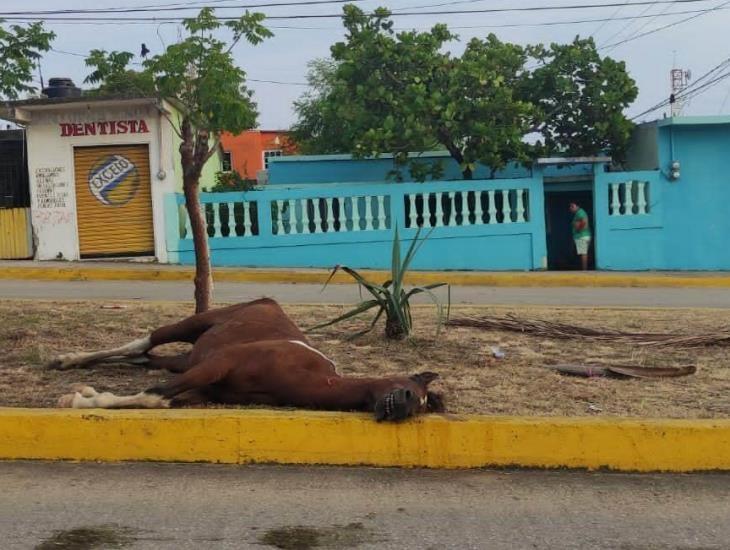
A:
[(139, 271)]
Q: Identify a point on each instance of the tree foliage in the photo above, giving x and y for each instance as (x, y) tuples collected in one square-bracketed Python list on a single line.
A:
[(21, 48), (199, 76), (388, 92), (581, 98), (111, 72)]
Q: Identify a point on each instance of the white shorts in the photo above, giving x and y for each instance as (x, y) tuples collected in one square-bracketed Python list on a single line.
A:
[(582, 244)]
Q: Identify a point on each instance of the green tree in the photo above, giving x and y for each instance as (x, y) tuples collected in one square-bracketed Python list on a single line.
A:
[(403, 92), (581, 98), (199, 76), (21, 47), (318, 129), (111, 72)]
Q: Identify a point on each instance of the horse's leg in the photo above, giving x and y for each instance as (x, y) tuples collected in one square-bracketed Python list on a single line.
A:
[(157, 397), (173, 363), (187, 330)]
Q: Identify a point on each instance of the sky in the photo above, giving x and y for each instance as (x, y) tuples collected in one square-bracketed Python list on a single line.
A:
[(697, 45)]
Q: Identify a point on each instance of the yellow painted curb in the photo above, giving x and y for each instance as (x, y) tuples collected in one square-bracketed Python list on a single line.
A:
[(461, 278), (284, 437)]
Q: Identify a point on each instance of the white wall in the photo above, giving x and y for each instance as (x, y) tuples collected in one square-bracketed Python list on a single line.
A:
[(51, 163)]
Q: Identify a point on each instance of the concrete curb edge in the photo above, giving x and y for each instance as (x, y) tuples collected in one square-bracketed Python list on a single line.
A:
[(506, 279), (296, 437)]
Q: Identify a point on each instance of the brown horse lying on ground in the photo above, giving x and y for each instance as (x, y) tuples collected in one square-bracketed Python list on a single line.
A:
[(251, 354)]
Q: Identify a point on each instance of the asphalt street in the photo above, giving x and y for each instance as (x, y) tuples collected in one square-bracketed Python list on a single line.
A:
[(309, 293), (194, 506)]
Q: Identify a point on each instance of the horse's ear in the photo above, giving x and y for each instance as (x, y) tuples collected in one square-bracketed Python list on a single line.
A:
[(424, 378)]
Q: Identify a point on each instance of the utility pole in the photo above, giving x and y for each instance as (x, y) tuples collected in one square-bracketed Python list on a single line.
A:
[(679, 79)]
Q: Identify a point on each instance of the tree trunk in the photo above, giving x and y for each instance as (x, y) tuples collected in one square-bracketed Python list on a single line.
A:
[(467, 174), (203, 272), (194, 153)]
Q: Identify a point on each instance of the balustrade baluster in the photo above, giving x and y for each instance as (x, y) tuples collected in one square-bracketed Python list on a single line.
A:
[(381, 212), (439, 211), (506, 208), (413, 214), (427, 212), (368, 213), (478, 212), (293, 225), (216, 219), (615, 200), (641, 197), (492, 206), (628, 198), (279, 217), (330, 216), (317, 215), (355, 204), (246, 206)]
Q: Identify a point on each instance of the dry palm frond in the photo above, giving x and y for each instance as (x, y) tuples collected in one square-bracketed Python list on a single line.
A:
[(565, 331)]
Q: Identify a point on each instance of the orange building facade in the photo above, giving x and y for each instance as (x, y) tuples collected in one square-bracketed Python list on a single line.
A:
[(250, 151)]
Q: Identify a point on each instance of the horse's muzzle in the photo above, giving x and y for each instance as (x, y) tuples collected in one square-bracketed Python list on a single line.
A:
[(396, 405)]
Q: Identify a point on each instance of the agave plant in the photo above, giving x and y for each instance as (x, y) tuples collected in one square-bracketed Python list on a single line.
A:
[(390, 298)]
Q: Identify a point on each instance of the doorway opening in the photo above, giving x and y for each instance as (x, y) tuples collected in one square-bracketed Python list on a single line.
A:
[(561, 251)]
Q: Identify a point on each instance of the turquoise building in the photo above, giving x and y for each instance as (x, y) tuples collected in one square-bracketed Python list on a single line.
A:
[(665, 211)]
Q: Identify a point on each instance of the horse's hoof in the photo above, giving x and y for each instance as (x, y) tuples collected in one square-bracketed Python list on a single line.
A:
[(84, 390), (66, 401)]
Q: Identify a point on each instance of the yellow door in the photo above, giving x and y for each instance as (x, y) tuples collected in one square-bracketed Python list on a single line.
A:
[(113, 201)]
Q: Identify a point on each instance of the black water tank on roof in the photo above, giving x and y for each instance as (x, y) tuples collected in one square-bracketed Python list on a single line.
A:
[(61, 87)]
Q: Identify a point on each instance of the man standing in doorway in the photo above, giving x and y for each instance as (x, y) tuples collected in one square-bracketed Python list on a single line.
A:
[(581, 233)]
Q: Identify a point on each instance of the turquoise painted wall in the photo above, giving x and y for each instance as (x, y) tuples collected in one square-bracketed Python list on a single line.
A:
[(460, 243), (343, 168), (689, 224)]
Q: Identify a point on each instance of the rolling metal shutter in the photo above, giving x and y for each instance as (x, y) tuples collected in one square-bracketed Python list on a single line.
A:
[(113, 201)]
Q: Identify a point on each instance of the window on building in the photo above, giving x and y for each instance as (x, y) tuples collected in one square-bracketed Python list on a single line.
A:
[(270, 154), (226, 162)]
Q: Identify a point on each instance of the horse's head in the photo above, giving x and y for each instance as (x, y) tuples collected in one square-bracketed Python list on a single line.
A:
[(407, 397)]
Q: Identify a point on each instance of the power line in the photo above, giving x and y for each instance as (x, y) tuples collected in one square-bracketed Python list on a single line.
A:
[(144, 9), (53, 15), (488, 26), (690, 91), (76, 54), (670, 25), (644, 12), (612, 18)]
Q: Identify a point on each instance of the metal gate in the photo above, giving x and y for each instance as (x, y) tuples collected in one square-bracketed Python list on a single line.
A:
[(113, 201)]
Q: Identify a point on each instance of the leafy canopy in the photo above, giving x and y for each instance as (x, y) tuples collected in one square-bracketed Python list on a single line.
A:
[(21, 48), (384, 91)]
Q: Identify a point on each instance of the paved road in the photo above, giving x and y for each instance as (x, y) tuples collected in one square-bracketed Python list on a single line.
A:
[(165, 506), (308, 293)]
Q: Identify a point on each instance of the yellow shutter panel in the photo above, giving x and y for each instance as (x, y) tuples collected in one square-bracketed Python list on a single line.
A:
[(113, 201)]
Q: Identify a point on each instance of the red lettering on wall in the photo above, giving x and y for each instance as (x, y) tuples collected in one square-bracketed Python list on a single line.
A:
[(103, 128)]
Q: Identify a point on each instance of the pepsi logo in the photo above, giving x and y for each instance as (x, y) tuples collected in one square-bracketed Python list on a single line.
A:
[(114, 180)]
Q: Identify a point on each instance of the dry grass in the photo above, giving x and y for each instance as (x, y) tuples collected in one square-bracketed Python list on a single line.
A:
[(473, 382)]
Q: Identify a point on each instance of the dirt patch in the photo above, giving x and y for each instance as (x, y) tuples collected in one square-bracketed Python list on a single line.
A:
[(472, 380), (88, 538), (306, 538)]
